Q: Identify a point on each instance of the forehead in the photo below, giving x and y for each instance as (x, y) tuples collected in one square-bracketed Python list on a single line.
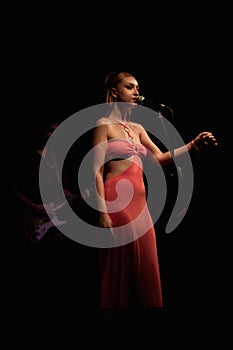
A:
[(129, 80)]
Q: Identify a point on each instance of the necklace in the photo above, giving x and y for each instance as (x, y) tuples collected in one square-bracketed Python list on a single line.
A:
[(127, 130), (130, 137)]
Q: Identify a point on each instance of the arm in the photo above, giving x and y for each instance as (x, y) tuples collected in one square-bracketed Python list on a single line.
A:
[(203, 140), (35, 208), (99, 152)]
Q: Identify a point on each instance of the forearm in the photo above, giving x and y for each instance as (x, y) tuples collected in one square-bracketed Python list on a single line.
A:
[(100, 194), (180, 151), (167, 157), (26, 201), (204, 140)]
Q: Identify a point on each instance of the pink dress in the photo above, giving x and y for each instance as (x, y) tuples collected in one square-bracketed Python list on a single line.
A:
[(129, 273)]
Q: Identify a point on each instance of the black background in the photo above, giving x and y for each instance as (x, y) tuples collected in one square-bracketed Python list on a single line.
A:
[(59, 62)]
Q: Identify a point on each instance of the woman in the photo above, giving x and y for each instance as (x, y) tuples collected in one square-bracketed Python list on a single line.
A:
[(129, 269)]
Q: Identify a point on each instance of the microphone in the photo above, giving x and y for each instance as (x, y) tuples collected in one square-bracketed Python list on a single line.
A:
[(157, 106)]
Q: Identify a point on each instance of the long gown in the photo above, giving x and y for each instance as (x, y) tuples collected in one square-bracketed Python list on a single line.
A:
[(129, 272)]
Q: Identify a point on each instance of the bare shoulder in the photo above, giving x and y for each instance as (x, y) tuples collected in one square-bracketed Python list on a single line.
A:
[(137, 126), (102, 121)]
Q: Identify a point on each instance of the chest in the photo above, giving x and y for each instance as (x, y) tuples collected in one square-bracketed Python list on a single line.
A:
[(124, 130)]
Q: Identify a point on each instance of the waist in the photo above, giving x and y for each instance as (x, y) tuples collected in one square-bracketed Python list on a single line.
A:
[(119, 167)]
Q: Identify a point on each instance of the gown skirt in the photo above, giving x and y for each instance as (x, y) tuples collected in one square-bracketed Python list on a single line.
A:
[(129, 271)]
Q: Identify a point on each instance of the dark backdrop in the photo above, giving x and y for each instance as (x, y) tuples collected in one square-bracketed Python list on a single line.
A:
[(61, 70)]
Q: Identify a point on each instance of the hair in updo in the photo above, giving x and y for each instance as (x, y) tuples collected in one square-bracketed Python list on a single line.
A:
[(111, 81)]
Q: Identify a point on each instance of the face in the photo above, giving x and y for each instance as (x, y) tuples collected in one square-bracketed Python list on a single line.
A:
[(50, 130), (127, 90)]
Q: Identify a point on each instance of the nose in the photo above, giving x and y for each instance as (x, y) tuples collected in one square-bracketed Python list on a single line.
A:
[(136, 92)]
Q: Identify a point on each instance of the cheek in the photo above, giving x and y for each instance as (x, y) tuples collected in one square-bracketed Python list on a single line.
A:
[(123, 96)]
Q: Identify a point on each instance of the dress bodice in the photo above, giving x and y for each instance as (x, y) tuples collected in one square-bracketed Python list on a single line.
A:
[(124, 148)]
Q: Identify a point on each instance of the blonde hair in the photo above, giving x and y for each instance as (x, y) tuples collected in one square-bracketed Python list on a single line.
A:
[(111, 81)]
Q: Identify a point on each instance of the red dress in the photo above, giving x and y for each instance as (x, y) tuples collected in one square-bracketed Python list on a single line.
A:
[(129, 271)]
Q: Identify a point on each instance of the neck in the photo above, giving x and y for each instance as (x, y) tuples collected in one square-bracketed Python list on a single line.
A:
[(119, 120), (120, 114)]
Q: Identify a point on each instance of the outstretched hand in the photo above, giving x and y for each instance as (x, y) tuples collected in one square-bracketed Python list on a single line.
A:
[(205, 140)]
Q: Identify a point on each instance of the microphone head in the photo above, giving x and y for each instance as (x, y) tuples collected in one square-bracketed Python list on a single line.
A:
[(140, 99), (157, 106)]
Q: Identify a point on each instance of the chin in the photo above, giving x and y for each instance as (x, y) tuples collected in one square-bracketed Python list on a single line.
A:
[(131, 104)]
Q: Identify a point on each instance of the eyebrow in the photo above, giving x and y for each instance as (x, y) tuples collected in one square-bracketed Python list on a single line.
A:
[(137, 86)]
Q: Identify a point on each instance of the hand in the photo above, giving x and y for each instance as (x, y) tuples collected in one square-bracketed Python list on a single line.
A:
[(205, 140), (105, 221), (43, 209), (69, 196)]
